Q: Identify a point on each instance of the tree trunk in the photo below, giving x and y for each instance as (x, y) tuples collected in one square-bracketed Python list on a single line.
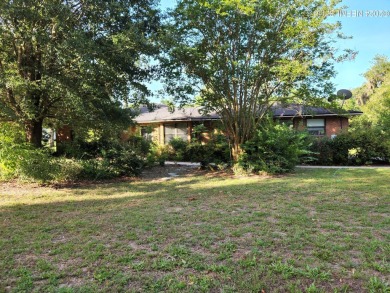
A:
[(34, 132), (236, 151)]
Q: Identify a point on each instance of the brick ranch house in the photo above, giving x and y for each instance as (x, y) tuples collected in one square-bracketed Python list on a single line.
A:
[(161, 125)]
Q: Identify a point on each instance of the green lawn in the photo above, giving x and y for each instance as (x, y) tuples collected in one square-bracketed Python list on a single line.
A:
[(311, 231)]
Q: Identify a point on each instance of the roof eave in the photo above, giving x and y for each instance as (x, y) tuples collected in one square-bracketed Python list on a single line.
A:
[(316, 115), (178, 120)]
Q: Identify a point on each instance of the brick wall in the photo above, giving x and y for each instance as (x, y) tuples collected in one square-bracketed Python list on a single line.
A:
[(335, 125), (64, 134)]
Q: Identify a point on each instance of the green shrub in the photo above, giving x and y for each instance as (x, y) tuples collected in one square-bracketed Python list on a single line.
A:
[(331, 151), (197, 132), (275, 148), (68, 169), (196, 152), (139, 145), (94, 169), (220, 149), (79, 149), (216, 151), (11, 133), (368, 144), (23, 162), (110, 158), (322, 151), (102, 159), (178, 146), (159, 153), (340, 146), (19, 160), (37, 165), (358, 147), (123, 160)]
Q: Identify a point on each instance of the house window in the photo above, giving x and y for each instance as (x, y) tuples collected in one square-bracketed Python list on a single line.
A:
[(177, 130), (316, 126), (288, 123), (146, 132)]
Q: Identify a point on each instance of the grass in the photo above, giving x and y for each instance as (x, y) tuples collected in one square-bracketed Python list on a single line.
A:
[(311, 231)]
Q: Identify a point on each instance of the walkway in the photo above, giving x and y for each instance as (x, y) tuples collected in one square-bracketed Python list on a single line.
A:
[(343, 167)]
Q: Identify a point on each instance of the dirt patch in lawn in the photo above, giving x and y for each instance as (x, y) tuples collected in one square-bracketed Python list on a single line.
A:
[(21, 189), (171, 171), (159, 173)]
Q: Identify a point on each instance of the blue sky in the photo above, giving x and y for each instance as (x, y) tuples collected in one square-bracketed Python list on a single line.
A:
[(371, 36), (368, 23)]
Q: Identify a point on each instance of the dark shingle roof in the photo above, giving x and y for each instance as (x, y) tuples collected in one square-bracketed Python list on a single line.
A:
[(303, 111), (162, 113)]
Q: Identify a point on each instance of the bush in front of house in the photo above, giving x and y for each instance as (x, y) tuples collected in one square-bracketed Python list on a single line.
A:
[(123, 160), (177, 149), (107, 159), (220, 149), (360, 146), (36, 165), (101, 159), (216, 150), (369, 144), (331, 151), (19, 160), (275, 148), (139, 145), (200, 153), (159, 153)]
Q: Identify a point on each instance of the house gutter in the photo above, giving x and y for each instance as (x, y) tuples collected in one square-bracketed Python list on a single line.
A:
[(275, 116), (316, 115)]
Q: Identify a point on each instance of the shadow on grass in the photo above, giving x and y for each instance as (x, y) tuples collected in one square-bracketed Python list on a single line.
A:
[(359, 183), (311, 216)]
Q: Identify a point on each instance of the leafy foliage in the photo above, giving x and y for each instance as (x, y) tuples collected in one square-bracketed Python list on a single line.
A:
[(368, 145), (178, 147), (198, 132), (246, 55), (73, 61), (373, 98), (93, 160), (216, 150), (377, 79), (22, 161), (327, 151), (369, 134), (275, 148), (109, 158), (359, 147)]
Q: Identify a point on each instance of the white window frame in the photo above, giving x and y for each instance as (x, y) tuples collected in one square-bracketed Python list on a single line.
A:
[(316, 126), (176, 131)]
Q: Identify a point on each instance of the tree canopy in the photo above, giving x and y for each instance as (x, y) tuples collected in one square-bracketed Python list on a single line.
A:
[(73, 60), (373, 97), (242, 56)]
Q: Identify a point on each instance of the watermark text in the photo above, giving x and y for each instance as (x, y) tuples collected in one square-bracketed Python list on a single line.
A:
[(355, 13)]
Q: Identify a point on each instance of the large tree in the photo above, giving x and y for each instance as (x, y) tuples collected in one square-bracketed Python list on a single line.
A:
[(242, 56), (373, 97), (72, 59)]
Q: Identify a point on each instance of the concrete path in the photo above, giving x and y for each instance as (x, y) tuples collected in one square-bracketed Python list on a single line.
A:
[(189, 164), (342, 167), (194, 165)]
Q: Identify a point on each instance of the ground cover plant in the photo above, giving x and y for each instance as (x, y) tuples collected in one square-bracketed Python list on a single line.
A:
[(310, 231), (82, 159)]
